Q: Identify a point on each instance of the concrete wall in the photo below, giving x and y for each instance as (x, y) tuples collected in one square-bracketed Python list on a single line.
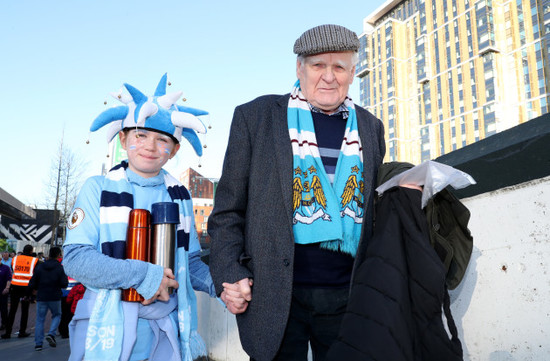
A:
[(218, 327), (502, 307)]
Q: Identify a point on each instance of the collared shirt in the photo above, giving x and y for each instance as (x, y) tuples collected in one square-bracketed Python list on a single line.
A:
[(7, 262), (342, 109)]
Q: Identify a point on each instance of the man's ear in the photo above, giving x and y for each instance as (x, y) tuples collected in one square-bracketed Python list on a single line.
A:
[(298, 69), (352, 75)]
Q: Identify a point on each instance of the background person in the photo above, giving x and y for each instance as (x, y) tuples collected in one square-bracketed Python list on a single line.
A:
[(23, 267), (66, 313), (5, 281), (6, 259), (48, 281)]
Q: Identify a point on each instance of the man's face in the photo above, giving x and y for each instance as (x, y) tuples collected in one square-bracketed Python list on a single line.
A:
[(5, 255), (325, 78), (148, 151)]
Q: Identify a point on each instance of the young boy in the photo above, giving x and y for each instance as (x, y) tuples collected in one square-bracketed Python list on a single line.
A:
[(150, 129)]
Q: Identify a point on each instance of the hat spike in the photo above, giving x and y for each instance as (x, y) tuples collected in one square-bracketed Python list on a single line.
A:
[(108, 116), (166, 101), (187, 120), (148, 109), (137, 96), (192, 138), (194, 111), (121, 97), (161, 88)]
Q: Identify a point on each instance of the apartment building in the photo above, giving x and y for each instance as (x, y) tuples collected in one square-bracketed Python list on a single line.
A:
[(442, 74)]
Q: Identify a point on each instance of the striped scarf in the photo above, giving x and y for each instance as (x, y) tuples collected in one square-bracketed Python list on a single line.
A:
[(323, 212), (115, 205)]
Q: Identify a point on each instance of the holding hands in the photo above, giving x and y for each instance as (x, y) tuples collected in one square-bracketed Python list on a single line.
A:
[(236, 296)]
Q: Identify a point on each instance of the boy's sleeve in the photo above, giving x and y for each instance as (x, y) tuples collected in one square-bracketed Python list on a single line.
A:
[(83, 223), (199, 273), (94, 269)]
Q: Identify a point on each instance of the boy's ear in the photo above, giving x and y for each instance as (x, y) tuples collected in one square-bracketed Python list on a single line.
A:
[(122, 137), (174, 150)]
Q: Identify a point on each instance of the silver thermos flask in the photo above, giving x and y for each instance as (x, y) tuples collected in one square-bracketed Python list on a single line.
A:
[(164, 218)]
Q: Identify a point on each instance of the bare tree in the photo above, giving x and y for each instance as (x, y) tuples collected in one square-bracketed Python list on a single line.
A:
[(64, 182)]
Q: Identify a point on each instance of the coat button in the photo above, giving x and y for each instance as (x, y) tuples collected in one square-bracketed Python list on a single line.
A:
[(286, 262)]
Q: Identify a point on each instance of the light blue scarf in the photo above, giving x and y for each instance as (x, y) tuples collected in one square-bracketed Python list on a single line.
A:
[(323, 212), (108, 315)]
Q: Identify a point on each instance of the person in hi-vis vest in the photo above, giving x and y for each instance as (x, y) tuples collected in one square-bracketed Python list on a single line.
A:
[(23, 267)]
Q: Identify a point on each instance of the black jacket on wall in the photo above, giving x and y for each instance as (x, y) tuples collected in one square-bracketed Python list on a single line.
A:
[(398, 292)]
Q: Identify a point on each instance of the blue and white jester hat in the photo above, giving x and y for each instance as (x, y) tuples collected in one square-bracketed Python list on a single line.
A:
[(160, 113)]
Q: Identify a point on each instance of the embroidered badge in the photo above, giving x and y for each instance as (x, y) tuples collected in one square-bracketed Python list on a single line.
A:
[(76, 218), (308, 199), (352, 197)]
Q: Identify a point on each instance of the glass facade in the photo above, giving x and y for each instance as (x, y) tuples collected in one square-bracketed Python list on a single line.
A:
[(440, 75)]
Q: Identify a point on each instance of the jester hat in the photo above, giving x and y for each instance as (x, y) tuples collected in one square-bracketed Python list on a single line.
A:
[(159, 113)]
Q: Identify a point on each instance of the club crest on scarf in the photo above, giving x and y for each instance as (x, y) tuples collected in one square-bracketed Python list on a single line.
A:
[(308, 197), (310, 203), (352, 197)]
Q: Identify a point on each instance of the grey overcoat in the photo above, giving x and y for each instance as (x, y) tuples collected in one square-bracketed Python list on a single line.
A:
[(251, 224)]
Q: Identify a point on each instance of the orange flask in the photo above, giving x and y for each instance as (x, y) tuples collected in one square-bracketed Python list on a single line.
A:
[(138, 238)]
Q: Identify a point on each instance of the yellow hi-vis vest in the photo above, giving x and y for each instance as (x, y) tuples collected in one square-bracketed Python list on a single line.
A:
[(23, 268)]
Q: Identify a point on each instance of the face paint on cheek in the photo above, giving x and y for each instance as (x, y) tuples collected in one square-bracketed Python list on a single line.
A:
[(163, 148), (132, 147)]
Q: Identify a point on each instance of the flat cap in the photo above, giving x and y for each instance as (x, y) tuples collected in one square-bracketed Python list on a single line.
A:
[(326, 38)]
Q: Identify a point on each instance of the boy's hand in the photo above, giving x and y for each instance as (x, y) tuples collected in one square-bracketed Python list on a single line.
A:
[(168, 280)]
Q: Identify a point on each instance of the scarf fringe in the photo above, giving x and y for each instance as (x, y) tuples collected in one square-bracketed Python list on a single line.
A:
[(341, 246), (197, 345)]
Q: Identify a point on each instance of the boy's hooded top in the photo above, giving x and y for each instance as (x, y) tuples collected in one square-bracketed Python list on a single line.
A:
[(159, 112)]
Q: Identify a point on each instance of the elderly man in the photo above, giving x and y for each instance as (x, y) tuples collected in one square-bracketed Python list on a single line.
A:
[(294, 199)]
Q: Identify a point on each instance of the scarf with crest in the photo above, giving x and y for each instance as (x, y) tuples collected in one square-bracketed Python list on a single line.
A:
[(325, 212)]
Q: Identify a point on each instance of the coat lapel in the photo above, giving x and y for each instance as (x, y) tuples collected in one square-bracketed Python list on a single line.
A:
[(283, 151), (366, 134)]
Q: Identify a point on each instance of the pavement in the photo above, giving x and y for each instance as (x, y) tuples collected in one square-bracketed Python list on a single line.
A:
[(22, 349)]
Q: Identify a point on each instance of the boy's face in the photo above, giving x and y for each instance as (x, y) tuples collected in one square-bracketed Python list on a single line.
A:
[(148, 151)]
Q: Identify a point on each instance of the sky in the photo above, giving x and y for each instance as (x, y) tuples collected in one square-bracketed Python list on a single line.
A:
[(60, 60)]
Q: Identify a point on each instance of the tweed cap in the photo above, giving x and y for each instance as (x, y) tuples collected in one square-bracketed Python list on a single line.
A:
[(326, 38)]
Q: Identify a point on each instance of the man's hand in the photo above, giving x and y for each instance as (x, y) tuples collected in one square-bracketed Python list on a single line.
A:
[(412, 186), (168, 280), (236, 296)]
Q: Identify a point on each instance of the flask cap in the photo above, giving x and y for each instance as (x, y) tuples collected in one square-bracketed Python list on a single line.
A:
[(165, 212)]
